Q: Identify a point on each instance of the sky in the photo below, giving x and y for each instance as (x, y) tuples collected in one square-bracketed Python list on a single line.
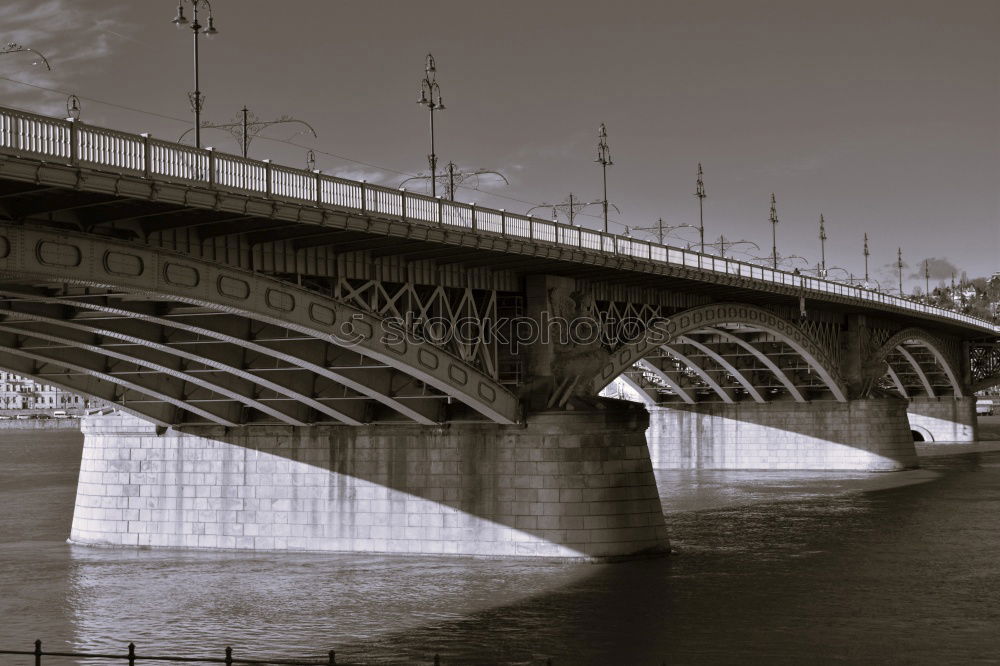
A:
[(882, 115)]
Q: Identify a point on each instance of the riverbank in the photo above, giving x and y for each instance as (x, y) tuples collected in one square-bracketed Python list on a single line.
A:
[(40, 424)]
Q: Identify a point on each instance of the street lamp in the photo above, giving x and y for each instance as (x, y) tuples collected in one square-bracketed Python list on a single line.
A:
[(927, 281), (867, 253), (453, 179), (722, 244), (246, 127), (782, 260), (604, 159), (196, 98), (13, 47), (430, 96), (664, 230), (700, 193), (899, 266), (822, 246), (572, 207), (774, 230)]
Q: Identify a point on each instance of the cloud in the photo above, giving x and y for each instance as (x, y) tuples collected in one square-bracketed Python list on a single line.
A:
[(374, 177), (67, 35), (938, 268)]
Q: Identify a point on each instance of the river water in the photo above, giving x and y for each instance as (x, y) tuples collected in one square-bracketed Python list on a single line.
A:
[(770, 567)]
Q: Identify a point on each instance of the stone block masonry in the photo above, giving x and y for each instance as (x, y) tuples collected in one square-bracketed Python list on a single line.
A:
[(944, 419), (870, 435), (567, 485)]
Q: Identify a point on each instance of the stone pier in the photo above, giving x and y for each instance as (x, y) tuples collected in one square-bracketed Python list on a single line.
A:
[(945, 419), (869, 435), (567, 484)]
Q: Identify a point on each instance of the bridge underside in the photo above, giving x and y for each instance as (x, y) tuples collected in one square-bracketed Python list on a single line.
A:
[(183, 342), (178, 365)]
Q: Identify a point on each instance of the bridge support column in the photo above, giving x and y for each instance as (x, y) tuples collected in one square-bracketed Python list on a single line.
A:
[(944, 419), (572, 485), (870, 435)]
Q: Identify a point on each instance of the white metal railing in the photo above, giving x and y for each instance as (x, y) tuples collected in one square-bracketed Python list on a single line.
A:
[(72, 142)]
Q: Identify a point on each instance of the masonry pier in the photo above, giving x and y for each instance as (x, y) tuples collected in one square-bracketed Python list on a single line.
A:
[(868, 435), (944, 419), (571, 485)]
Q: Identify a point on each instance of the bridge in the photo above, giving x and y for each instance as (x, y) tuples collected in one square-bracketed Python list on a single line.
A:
[(299, 361)]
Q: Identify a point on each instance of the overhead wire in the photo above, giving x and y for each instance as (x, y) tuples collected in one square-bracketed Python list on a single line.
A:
[(320, 151)]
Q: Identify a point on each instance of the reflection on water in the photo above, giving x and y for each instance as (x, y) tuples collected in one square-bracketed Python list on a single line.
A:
[(770, 567)]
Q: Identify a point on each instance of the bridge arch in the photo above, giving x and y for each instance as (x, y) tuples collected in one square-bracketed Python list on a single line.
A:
[(912, 363), (122, 290), (731, 348)]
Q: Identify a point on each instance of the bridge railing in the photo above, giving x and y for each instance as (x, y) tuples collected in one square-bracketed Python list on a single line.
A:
[(75, 143)]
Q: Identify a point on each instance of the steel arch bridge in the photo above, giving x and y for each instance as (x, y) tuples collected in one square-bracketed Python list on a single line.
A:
[(192, 287)]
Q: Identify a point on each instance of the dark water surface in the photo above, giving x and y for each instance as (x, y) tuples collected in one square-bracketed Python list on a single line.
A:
[(788, 568)]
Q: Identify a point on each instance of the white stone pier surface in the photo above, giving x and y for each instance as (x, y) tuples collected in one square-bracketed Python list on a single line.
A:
[(944, 419), (567, 485), (870, 435)]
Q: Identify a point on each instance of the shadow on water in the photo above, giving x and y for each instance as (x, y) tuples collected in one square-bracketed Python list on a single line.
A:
[(792, 568)]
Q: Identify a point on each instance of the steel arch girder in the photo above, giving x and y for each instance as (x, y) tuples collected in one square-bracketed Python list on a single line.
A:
[(132, 320), (762, 357), (873, 364), (58, 257), (723, 313), (725, 365), (140, 357), (921, 375), (701, 372), (174, 399), (644, 395), (159, 413), (666, 379), (897, 382), (145, 346)]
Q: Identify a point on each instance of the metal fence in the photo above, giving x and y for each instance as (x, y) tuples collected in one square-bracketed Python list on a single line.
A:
[(131, 657), (77, 144)]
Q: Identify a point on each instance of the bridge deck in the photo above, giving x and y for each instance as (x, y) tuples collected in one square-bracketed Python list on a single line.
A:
[(61, 172)]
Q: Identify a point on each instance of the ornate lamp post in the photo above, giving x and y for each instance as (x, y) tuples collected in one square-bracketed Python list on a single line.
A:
[(822, 246), (197, 100), (247, 126), (866, 258), (663, 230), (430, 96), (723, 243), (453, 178), (604, 159), (572, 207), (899, 267), (13, 47), (700, 193), (927, 281), (774, 231)]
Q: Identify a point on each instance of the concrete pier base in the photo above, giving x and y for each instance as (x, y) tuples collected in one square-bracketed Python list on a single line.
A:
[(568, 484), (944, 419), (871, 435)]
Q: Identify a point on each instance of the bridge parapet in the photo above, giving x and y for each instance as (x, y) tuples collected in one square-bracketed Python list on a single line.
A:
[(153, 161)]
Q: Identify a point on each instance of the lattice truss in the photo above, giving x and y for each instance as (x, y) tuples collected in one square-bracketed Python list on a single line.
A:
[(827, 335), (457, 319), (624, 321), (984, 361), (727, 363), (184, 365), (914, 368)]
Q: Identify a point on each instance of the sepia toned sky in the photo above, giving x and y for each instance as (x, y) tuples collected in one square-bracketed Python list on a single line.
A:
[(881, 115)]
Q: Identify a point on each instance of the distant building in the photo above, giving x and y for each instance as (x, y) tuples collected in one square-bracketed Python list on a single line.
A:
[(16, 392)]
